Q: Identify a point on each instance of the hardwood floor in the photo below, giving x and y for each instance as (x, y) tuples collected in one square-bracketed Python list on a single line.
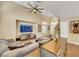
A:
[(72, 50)]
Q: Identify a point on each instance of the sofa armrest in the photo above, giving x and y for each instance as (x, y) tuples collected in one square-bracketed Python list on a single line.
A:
[(20, 52)]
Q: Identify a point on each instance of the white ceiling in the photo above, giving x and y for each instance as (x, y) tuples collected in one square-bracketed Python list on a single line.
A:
[(58, 8)]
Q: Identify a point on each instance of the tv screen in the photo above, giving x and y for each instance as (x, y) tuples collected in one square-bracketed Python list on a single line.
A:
[(25, 28)]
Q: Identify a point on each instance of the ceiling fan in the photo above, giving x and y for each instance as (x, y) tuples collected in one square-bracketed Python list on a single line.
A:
[(34, 8)]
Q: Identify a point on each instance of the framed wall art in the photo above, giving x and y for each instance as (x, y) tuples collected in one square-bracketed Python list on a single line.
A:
[(39, 28), (74, 27)]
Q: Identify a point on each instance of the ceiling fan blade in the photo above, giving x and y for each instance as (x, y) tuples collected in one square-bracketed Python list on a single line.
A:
[(36, 6), (30, 11), (40, 8), (30, 5), (39, 11)]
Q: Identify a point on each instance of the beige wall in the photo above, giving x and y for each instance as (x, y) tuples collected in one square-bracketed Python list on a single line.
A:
[(65, 30), (74, 38), (0, 19), (10, 12)]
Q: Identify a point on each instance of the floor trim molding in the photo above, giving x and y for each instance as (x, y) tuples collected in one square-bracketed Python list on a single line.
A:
[(73, 42)]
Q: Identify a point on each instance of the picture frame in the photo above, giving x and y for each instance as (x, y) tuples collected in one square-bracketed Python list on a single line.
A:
[(48, 28), (74, 27), (39, 28)]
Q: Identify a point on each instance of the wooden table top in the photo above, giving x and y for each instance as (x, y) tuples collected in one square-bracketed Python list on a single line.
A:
[(53, 46)]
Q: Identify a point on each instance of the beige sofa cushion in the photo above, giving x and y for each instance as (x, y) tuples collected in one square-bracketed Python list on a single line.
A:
[(32, 36), (27, 36), (43, 39), (23, 36)]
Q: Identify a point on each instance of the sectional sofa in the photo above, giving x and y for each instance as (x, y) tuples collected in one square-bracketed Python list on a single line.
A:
[(25, 49)]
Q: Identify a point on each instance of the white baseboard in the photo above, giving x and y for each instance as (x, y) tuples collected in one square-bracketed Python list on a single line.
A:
[(73, 42)]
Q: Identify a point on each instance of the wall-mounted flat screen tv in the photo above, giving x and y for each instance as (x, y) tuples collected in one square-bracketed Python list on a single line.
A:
[(26, 28)]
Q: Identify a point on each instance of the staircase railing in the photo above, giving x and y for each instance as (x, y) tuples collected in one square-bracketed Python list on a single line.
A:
[(57, 30)]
